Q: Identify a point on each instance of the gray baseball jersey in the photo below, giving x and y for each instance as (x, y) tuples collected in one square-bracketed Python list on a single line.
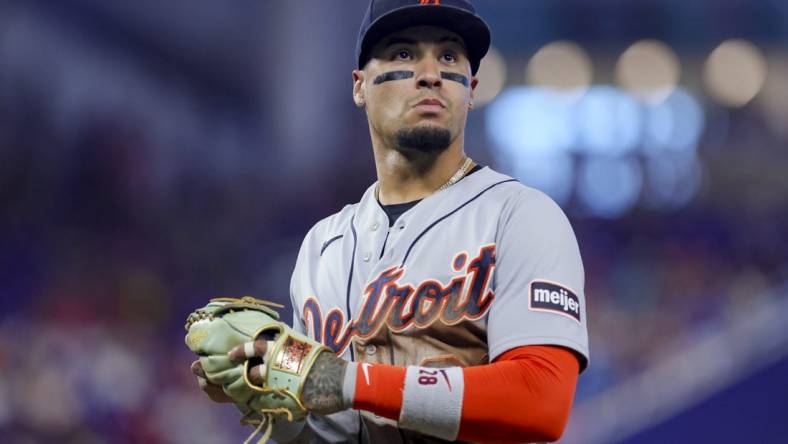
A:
[(465, 275)]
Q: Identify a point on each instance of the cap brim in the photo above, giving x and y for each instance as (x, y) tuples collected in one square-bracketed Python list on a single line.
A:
[(472, 29)]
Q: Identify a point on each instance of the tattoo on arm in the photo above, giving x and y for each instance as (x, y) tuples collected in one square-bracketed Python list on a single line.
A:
[(322, 391)]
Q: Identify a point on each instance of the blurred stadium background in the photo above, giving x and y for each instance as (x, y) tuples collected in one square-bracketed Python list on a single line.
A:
[(154, 154)]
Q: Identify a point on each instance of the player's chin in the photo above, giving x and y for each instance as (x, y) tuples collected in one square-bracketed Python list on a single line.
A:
[(425, 138), (428, 128)]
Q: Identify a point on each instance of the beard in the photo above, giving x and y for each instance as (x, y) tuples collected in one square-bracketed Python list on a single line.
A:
[(424, 139)]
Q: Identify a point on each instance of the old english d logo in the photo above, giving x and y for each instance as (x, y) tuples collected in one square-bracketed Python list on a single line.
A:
[(430, 2)]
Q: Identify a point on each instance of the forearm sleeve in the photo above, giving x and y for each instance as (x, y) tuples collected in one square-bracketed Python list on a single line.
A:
[(525, 395)]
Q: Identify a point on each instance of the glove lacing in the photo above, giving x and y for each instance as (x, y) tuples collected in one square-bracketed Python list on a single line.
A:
[(268, 421)]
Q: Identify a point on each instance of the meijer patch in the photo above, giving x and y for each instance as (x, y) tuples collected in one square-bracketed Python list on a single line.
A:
[(549, 296)]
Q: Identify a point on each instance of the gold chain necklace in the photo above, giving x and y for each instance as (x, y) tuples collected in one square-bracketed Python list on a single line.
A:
[(459, 174)]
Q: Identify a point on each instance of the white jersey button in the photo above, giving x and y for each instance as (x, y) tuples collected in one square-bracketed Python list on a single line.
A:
[(374, 226), (367, 256), (371, 349)]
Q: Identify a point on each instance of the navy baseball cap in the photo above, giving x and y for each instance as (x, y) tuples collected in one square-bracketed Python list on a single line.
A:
[(386, 16)]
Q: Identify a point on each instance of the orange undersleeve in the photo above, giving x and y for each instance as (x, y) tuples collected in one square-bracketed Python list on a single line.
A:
[(525, 395), (383, 394)]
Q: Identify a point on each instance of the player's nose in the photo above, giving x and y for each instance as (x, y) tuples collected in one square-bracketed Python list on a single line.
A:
[(428, 74)]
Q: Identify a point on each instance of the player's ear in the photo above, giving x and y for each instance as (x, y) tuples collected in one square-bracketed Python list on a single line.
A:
[(358, 88), (474, 83)]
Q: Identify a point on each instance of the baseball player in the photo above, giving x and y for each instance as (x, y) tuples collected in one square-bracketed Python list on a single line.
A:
[(450, 294)]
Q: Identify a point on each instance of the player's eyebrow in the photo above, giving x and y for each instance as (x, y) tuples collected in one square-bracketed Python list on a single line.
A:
[(451, 38)]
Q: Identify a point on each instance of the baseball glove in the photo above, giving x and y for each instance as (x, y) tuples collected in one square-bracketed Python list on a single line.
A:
[(225, 323)]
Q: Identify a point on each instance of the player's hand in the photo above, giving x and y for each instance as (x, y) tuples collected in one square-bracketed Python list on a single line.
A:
[(214, 392), (248, 350)]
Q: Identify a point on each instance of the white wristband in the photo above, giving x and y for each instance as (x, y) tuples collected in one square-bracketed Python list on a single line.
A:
[(432, 401)]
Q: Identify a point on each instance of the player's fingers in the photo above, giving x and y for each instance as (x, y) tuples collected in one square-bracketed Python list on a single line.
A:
[(197, 369), (257, 374), (213, 391), (247, 350)]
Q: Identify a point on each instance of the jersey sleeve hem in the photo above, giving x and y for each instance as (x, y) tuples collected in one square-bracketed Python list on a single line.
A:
[(509, 344)]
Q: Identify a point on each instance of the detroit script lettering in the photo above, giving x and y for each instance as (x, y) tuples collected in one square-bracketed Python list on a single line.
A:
[(397, 306)]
